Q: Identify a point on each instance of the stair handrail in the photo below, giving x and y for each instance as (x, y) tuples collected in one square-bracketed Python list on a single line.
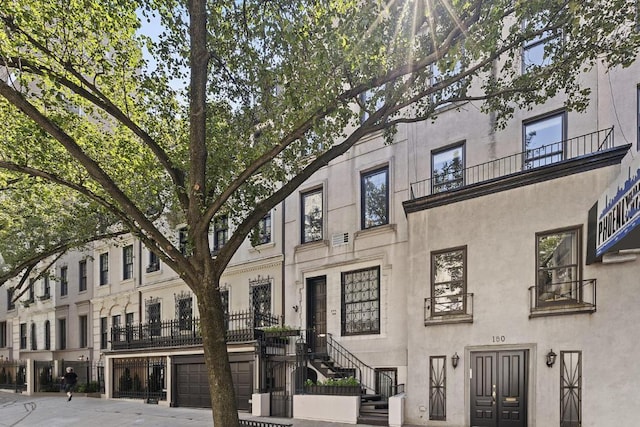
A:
[(369, 382)]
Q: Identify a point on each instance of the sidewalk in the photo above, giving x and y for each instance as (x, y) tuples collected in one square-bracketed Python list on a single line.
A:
[(53, 410)]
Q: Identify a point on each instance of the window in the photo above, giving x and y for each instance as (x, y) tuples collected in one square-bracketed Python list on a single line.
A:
[(260, 290), (447, 169), (441, 72), (361, 302), (220, 232), (11, 305), (127, 262), (34, 337), (46, 288), (31, 292), (154, 262), (538, 51), (312, 216), (83, 323), (82, 267), (375, 198), (544, 141), (64, 283), (448, 281), (47, 335), (224, 297), (62, 334), (558, 271), (570, 388), (128, 321), (183, 241), (3, 334), (104, 269), (115, 326), (372, 101), (261, 296), (153, 317), (262, 233), (23, 336), (437, 388), (638, 114), (104, 333), (184, 310)]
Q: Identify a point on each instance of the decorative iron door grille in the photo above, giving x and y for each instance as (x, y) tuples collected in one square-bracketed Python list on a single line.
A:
[(437, 388), (570, 388)]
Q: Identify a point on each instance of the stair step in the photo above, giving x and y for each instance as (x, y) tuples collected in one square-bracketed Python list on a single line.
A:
[(370, 397), (375, 421)]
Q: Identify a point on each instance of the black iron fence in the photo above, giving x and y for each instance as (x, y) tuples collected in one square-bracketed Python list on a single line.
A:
[(90, 374), (240, 326), (13, 375), (140, 378)]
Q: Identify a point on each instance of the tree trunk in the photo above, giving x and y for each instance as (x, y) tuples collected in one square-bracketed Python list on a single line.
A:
[(223, 399)]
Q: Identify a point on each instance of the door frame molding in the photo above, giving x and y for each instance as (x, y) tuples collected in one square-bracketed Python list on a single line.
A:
[(532, 375)]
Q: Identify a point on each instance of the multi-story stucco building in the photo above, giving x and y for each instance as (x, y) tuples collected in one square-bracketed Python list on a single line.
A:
[(487, 273)]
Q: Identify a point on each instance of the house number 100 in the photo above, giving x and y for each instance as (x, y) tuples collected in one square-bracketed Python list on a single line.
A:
[(498, 338)]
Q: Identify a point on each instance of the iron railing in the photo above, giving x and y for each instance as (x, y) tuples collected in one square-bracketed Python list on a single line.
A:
[(437, 308), (13, 375), (517, 163), (348, 364), (576, 295), (240, 327)]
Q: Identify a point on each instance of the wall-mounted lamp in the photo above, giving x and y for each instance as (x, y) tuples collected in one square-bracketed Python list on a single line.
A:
[(295, 308), (81, 357), (454, 360), (551, 358)]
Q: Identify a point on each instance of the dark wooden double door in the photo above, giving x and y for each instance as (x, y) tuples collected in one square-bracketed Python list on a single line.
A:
[(499, 388)]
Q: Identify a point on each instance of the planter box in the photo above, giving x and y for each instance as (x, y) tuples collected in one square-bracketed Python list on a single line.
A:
[(281, 334), (333, 390)]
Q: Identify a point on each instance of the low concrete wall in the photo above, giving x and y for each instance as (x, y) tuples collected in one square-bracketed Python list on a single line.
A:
[(339, 409), (261, 404), (396, 410)]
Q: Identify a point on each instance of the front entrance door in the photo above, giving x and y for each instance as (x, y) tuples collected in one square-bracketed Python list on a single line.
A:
[(317, 314), (499, 388)]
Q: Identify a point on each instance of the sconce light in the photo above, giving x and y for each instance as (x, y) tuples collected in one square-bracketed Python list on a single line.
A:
[(551, 358), (81, 357), (295, 308), (454, 360)]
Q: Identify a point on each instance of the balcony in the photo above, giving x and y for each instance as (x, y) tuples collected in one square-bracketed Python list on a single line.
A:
[(590, 151), (240, 327), (562, 298), (448, 309)]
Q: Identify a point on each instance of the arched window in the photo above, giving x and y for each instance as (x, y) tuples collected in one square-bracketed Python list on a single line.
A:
[(34, 341)]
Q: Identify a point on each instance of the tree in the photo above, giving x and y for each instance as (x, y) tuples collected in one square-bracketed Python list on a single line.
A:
[(99, 139)]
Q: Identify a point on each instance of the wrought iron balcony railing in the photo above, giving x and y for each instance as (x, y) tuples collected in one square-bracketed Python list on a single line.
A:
[(563, 298), (455, 178), (240, 327), (449, 308)]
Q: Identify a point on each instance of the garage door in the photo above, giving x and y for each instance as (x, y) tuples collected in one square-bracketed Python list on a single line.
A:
[(192, 387)]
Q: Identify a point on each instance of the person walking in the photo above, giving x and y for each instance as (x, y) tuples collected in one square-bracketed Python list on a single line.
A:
[(70, 380)]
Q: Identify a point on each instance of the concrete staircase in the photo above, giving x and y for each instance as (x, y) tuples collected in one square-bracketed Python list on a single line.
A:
[(373, 410)]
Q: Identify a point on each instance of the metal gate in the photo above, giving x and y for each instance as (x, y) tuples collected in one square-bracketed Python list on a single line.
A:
[(45, 380), (280, 383), (140, 378)]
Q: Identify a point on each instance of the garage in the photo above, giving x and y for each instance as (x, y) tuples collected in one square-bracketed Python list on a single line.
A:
[(191, 387)]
